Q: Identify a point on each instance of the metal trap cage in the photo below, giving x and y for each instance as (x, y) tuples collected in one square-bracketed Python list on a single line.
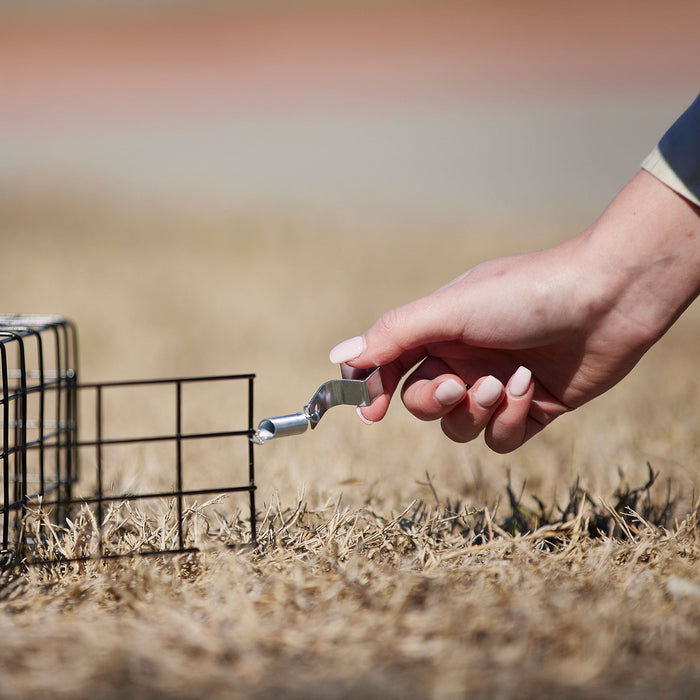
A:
[(112, 469)]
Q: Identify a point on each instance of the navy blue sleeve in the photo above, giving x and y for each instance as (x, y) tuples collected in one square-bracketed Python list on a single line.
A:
[(680, 148)]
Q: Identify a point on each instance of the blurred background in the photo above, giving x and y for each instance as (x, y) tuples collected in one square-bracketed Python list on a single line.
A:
[(392, 108), (237, 186)]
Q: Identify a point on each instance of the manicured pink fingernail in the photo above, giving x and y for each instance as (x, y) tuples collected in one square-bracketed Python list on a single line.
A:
[(366, 421), (520, 382), (449, 392), (348, 350), (489, 391)]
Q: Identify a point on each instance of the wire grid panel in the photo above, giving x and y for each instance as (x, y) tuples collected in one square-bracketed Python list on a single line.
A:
[(38, 418), (160, 465), (156, 457)]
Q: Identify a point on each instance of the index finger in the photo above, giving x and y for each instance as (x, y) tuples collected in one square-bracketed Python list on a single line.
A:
[(401, 332), (392, 374)]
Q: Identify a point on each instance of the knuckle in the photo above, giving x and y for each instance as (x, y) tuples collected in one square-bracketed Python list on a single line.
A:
[(457, 432), (388, 323), (455, 437), (500, 448), (504, 439), (420, 409)]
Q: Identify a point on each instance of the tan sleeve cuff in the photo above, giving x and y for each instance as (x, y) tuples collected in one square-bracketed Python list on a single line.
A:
[(656, 164)]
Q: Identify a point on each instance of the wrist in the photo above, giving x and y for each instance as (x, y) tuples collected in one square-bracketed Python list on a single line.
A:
[(644, 252)]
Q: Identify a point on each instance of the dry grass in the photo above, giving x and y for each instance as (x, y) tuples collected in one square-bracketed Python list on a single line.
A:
[(391, 562)]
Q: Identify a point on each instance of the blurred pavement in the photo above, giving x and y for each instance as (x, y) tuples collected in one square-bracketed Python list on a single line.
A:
[(384, 111)]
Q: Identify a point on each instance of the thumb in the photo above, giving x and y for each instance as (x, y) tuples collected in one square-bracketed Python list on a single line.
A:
[(400, 333)]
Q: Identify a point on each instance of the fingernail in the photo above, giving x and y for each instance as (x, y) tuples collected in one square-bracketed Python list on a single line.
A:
[(489, 391), (449, 392), (520, 382), (348, 350), (366, 421)]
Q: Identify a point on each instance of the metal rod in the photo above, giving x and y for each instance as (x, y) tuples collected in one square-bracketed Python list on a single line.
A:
[(171, 380), (100, 497), (282, 426), (21, 454), (251, 466), (178, 459), (5, 452), (87, 500)]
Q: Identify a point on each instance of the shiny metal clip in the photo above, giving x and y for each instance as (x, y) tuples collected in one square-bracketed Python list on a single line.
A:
[(358, 387)]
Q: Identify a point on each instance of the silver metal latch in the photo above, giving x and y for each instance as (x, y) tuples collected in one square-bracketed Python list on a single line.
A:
[(358, 387)]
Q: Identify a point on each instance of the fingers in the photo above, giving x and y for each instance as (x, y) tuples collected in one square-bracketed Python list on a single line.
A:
[(511, 425), (503, 414), (396, 342), (507, 415), (469, 418), (433, 390), (399, 331), (392, 374)]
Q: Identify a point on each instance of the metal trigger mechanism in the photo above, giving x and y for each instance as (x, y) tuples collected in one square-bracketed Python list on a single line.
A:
[(358, 387)]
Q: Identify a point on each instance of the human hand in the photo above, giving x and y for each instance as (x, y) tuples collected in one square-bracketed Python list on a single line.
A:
[(491, 329), (537, 335)]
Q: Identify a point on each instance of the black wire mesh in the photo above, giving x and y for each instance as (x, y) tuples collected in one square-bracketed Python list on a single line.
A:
[(141, 472)]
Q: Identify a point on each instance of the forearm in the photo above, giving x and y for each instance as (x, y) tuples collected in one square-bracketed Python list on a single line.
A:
[(644, 252)]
